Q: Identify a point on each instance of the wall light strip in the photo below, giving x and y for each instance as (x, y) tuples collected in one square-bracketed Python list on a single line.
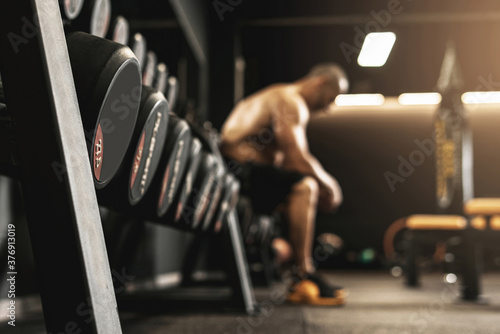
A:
[(481, 97), (359, 100), (414, 99)]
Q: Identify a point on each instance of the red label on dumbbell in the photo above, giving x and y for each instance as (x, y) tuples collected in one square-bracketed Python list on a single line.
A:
[(218, 226), (188, 184), (164, 186), (204, 200), (98, 153), (101, 15), (170, 182), (121, 31), (137, 160), (179, 211)]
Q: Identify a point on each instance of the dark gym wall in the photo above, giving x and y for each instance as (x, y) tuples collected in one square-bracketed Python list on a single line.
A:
[(281, 40), (282, 50), (277, 49)]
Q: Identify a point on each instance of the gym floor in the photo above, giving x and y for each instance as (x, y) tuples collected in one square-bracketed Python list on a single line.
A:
[(377, 304)]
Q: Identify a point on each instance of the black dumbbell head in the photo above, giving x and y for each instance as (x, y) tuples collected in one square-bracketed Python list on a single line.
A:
[(178, 148), (198, 201), (94, 18), (228, 202), (101, 17), (119, 31), (188, 180), (108, 84), (173, 92), (215, 195), (161, 78), (139, 47), (150, 69), (70, 9), (153, 119), (135, 175)]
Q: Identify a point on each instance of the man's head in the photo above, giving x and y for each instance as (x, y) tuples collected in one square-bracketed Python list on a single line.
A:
[(322, 84)]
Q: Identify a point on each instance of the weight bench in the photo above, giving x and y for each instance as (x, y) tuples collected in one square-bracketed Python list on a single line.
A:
[(434, 228)]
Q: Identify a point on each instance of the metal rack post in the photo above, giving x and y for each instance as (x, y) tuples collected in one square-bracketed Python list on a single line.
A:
[(53, 167)]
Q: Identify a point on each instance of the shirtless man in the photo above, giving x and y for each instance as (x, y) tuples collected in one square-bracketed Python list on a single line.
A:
[(265, 136)]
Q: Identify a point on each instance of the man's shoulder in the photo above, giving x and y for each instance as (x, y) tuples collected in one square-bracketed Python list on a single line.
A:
[(278, 100), (285, 95)]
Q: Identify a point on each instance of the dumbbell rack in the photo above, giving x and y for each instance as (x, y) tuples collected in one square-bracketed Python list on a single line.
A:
[(61, 207), (44, 148)]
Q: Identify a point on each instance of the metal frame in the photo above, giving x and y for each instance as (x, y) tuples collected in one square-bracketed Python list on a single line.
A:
[(53, 167), (242, 285), (235, 292)]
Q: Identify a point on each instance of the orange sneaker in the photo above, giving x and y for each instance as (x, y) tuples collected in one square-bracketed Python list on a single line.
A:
[(313, 290)]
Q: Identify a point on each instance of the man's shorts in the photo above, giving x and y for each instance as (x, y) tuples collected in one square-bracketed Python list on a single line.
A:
[(267, 186)]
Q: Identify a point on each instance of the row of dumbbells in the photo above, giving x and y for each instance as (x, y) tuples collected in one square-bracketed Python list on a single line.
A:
[(145, 160), (95, 17)]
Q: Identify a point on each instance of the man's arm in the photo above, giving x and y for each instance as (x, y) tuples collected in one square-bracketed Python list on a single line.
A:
[(292, 140)]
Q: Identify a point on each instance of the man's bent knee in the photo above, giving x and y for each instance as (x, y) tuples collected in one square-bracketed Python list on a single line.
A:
[(308, 185)]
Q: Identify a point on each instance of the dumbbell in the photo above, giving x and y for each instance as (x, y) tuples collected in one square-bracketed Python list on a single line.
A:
[(134, 177), (219, 187), (214, 197), (260, 230), (173, 92), (168, 178), (94, 18), (198, 201), (180, 147), (149, 69), (70, 9), (228, 201), (174, 213), (119, 30), (160, 81), (139, 46), (108, 85)]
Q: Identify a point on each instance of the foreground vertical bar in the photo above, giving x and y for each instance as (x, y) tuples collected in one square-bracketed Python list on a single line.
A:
[(243, 284), (63, 218)]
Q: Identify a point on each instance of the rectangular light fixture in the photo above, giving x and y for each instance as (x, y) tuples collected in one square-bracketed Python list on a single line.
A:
[(481, 97), (376, 49), (359, 100), (414, 99)]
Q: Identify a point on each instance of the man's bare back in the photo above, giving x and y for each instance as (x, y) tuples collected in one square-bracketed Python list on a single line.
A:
[(252, 131)]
